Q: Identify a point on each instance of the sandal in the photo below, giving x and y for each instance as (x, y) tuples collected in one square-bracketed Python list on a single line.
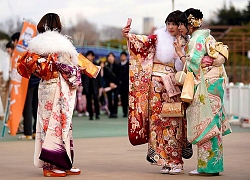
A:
[(176, 169), (165, 169), (196, 173), (54, 173), (25, 137), (73, 171)]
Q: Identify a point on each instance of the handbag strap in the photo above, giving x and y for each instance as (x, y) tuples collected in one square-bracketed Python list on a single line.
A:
[(182, 73)]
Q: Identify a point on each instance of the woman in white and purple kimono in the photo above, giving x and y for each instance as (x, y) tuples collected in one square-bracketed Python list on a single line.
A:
[(53, 58)]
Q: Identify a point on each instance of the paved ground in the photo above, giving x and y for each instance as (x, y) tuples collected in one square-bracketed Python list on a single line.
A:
[(102, 152)]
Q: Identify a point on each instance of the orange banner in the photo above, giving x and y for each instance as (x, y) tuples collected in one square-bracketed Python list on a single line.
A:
[(18, 84)]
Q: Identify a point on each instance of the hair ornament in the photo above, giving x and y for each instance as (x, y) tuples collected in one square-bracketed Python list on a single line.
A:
[(195, 22)]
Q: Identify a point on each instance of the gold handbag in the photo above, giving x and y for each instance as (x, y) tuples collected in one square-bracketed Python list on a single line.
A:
[(187, 93), (175, 109)]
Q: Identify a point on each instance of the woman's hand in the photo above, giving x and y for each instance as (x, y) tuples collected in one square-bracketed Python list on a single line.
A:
[(219, 60), (126, 29), (100, 92), (178, 46), (207, 61), (113, 85), (82, 69)]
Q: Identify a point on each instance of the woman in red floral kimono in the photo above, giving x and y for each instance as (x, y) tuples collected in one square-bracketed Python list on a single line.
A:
[(53, 58), (152, 57)]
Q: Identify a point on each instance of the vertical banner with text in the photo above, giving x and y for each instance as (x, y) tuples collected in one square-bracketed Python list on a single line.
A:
[(18, 84)]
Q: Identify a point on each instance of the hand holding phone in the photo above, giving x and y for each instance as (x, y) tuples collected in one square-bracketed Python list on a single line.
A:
[(129, 21), (126, 29)]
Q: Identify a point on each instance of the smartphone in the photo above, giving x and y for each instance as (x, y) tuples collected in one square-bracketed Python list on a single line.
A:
[(129, 22)]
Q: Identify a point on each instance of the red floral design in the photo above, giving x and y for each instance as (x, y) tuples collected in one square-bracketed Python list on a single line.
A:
[(143, 88), (58, 131), (45, 124), (63, 120), (158, 122), (132, 78), (158, 104), (156, 109), (207, 145), (198, 46), (48, 106), (145, 80), (168, 149), (55, 116)]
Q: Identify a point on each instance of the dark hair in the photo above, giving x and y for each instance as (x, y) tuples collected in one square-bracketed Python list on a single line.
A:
[(15, 36), (110, 54), (124, 53), (195, 12), (90, 53), (50, 21), (9, 45), (173, 17)]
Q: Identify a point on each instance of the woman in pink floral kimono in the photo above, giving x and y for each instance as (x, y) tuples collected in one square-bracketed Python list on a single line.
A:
[(152, 57), (52, 57)]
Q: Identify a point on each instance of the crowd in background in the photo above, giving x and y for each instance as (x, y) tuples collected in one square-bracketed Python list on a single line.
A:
[(95, 96), (108, 90)]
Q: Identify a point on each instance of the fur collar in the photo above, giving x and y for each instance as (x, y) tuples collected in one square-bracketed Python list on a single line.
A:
[(165, 51), (52, 42)]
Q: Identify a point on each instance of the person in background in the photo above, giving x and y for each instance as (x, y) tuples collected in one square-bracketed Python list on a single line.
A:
[(14, 38), (124, 82), (80, 106), (104, 89), (9, 48), (111, 76), (30, 109), (91, 88), (4, 81), (31, 101)]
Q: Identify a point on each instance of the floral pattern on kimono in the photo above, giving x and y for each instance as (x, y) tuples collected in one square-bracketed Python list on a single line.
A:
[(166, 134), (56, 94), (205, 117), (142, 51), (146, 95), (54, 142)]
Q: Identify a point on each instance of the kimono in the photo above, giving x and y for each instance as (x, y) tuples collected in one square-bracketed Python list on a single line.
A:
[(206, 120), (52, 57), (4, 80), (147, 92)]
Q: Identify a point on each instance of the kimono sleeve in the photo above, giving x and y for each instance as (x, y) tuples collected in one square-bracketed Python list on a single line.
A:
[(22, 68), (197, 52), (141, 45)]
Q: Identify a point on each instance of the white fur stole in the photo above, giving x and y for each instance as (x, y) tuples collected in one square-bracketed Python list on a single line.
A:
[(165, 51), (52, 42)]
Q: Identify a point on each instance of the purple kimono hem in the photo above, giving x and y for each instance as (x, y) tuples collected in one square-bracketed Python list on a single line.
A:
[(58, 158)]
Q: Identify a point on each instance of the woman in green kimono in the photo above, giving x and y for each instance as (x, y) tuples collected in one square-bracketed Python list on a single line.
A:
[(205, 116)]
